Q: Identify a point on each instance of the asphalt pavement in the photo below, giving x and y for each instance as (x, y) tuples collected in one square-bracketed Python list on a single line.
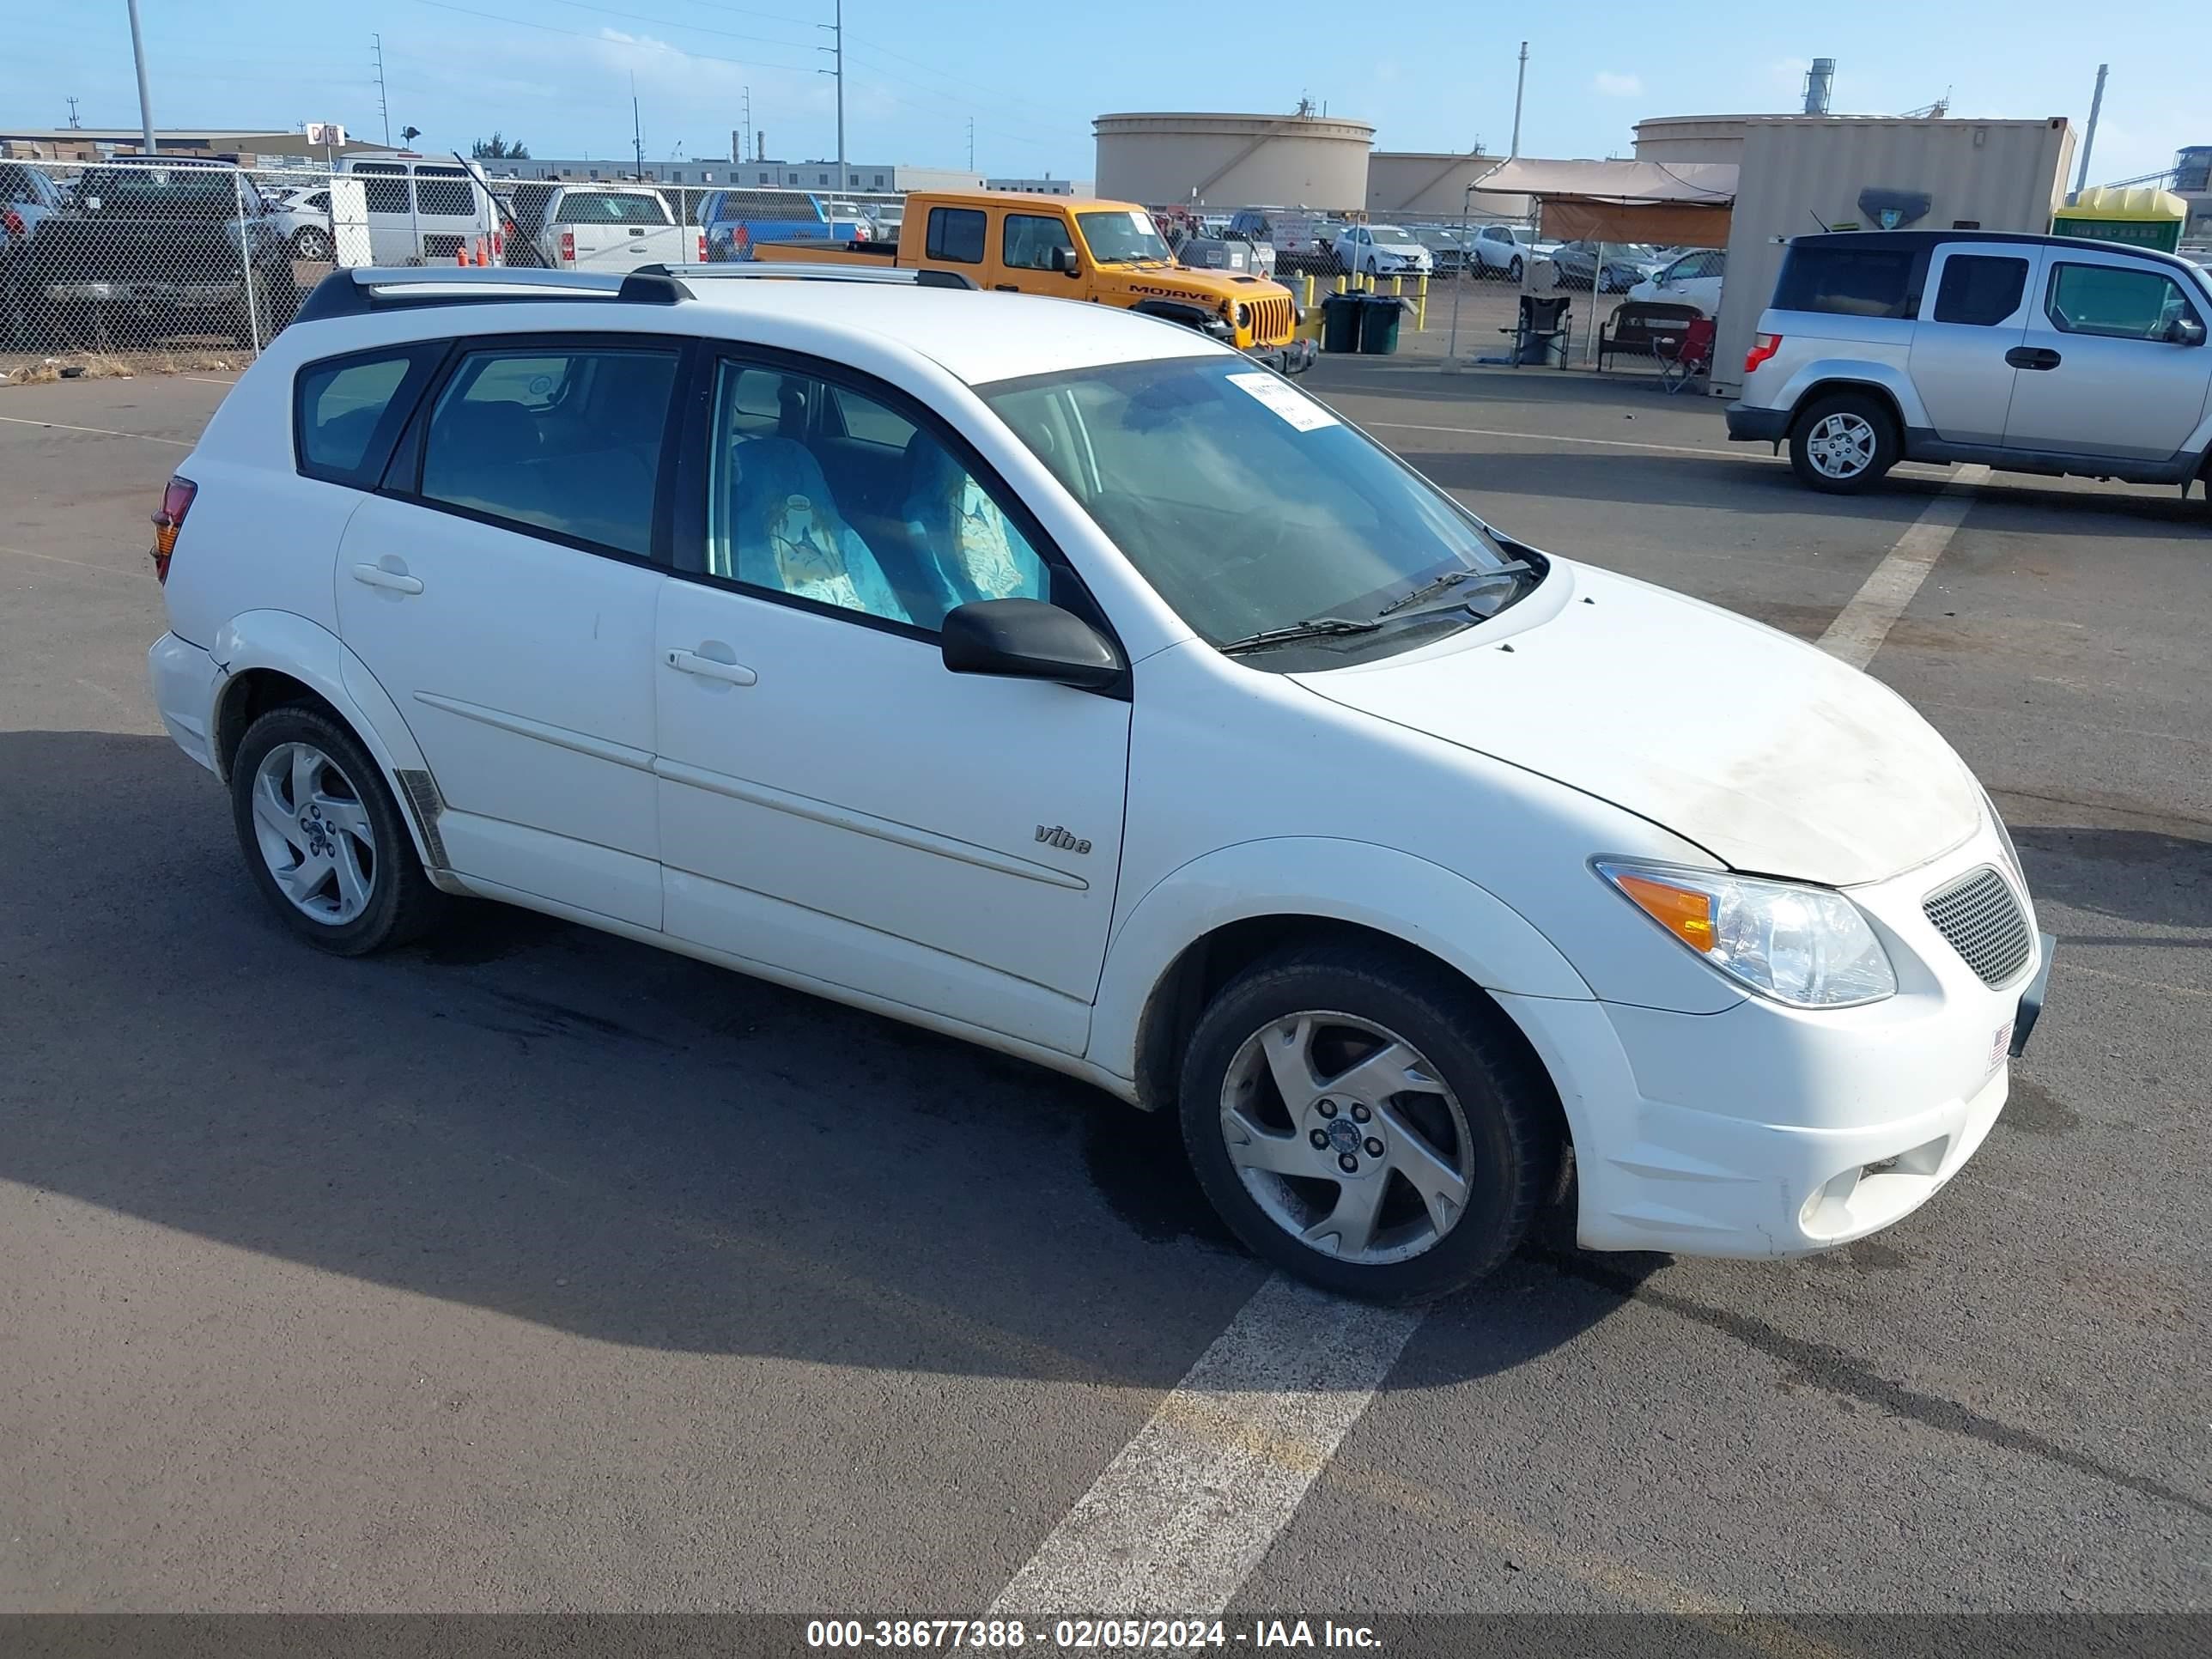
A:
[(534, 1269)]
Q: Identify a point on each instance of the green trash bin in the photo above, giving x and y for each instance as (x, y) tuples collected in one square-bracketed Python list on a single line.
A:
[(1379, 316), (1340, 321)]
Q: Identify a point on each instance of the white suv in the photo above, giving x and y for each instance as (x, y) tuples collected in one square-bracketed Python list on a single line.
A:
[(1055, 677)]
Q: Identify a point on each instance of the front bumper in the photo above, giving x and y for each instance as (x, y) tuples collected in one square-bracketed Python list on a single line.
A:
[(1292, 357), (1747, 425), (1764, 1131)]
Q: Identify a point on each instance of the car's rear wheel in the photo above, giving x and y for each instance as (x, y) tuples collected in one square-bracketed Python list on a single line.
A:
[(1359, 1120), (323, 836), (1843, 442), (1513, 272), (311, 243)]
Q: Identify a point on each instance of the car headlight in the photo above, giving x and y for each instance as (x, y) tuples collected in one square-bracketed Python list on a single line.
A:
[(1809, 947), (1244, 315)]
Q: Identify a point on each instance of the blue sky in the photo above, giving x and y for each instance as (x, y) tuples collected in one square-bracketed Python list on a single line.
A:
[(556, 73)]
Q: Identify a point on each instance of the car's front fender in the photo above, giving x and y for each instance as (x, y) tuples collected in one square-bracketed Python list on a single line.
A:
[(1429, 908)]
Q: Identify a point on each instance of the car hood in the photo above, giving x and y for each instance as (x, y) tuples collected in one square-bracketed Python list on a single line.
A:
[(1766, 751)]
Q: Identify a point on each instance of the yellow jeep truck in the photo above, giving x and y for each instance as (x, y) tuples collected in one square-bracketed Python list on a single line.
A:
[(1070, 248)]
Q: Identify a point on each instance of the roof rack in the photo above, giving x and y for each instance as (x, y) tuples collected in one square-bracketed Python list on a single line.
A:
[(810, 270), (368, 289)]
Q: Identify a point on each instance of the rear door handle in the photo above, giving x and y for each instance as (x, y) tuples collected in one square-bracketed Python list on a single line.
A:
[(710, 668), (377, 575), (1008, 288), (2032, 357)]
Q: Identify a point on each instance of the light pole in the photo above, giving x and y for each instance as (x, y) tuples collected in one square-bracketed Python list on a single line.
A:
[(1520, 85), (837, 33), (145, 98)]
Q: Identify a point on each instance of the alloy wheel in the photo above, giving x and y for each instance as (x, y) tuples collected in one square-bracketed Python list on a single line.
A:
[(1346, 1137), (314, 833)]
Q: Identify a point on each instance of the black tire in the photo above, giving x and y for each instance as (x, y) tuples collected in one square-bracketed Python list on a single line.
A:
[(1513, 272), (1504, 1099), (313, 243), (1848, 408), (403, 905)]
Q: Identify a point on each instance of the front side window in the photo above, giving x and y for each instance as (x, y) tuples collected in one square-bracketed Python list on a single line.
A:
[(956, 234), (1124, 236), (547, 439), (347, 412), (1028, 241), (2122, 302), (1980, 290), (844, 502), (1251, 507), (1875, 282)]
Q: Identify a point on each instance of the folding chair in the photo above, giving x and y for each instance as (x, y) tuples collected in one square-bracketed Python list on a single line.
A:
[(1691, 358)]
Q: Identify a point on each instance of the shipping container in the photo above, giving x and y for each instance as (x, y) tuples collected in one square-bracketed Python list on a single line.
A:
[(1871, 172)]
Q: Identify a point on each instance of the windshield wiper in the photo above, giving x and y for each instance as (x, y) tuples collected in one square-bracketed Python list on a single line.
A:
[(1313, 628), (1448, 580)]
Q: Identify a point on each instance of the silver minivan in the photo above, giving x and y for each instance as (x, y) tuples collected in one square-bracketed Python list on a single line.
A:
[(2029, 354)]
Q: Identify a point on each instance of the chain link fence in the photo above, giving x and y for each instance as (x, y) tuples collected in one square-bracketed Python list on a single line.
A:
[(186, 260)]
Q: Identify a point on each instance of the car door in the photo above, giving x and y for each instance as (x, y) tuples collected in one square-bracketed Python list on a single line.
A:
[(835, 804), (1965, 350), (501, 588), (2113, 361)]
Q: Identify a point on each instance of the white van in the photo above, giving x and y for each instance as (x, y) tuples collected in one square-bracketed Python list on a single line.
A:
[(424, 212)]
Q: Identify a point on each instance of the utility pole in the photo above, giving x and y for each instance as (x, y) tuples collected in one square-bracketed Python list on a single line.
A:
[(971, 142), (636, 131), (74, 123), (383, 104), (747, 150), (2089, 138), (1520, 86), (837, 33), (145, 98)]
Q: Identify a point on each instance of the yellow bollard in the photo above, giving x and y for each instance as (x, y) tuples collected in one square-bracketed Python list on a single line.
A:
[(1420, 304), (1308, 281), (1339, 284), (1397, 288)]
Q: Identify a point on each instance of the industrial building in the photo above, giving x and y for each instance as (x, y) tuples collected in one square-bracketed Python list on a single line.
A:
[(1300, 159)]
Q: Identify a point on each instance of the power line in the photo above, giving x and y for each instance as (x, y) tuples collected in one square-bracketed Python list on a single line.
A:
[(579, 34)]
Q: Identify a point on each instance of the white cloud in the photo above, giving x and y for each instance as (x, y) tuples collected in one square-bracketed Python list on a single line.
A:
[(1611, 85)]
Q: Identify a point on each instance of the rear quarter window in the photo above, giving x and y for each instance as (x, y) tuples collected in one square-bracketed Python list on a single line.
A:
[(1848, 282), (956, 234), (347, 412)]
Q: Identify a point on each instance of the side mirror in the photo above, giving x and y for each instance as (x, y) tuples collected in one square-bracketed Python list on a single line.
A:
[(1063, 261), (1029, 640), (2185, 331)]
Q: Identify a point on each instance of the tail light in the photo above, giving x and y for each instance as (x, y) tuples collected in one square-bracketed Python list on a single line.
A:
[(176, 501), (568, 246), (13, 221), (1763, 346), (700, 242)]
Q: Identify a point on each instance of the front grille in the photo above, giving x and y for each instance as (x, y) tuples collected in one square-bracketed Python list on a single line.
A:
[(1271, 321), (1982, 919)]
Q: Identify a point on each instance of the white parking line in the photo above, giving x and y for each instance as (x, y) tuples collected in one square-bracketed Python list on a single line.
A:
[(1861, 625), (97, 431), (1184, 1512)]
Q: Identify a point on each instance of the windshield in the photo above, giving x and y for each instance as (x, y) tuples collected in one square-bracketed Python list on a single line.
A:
[(1437, 238), (195, 192), (1250, 506), (1122, 237), (1388, 234)]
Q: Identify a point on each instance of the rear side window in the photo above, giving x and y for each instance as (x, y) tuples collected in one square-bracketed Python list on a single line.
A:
[(347, 411), (447, 196), (384, 192), (957, 234), (564, 441), (1980, 288), (1848, 282)]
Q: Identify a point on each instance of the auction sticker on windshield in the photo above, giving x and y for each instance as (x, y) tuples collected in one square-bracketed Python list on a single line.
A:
[(1287, 401)]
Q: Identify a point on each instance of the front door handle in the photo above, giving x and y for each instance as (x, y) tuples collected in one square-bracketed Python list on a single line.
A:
[(710, 668), (378, 575), (2032, 357)]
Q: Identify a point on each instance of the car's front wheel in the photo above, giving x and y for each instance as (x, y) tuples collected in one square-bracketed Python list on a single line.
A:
[(323, 836), (1513, 272), (1361, 1121), (1845, 442), (312, 244)]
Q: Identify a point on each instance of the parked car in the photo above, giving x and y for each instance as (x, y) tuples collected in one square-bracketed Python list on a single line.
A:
[(737, 221), (1692, 278), (1381, 251), (302, 214), (424, 212), (2030, 354), (151, 249), (615, 228), (28, 198), (1626, 266), (1505, 250), (1448, 249), (848, 698)]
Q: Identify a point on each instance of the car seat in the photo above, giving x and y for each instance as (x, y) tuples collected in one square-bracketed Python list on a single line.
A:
[(972, 552), (782, 531)]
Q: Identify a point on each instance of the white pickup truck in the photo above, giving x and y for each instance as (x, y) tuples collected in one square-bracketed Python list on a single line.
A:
[(592, 228)]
